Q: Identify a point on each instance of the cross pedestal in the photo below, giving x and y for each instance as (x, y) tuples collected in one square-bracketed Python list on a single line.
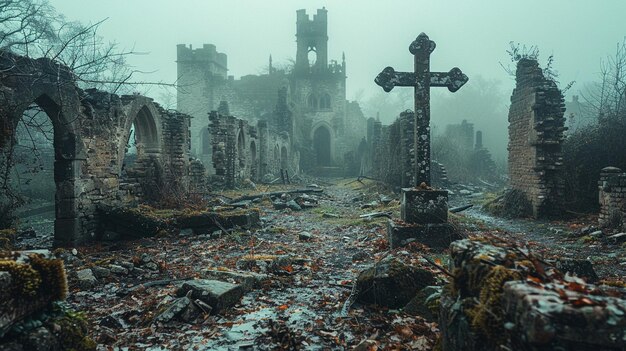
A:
[(424, 211)]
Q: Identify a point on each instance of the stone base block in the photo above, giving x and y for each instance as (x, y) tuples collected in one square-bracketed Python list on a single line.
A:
[(435, 235), (424, 206)]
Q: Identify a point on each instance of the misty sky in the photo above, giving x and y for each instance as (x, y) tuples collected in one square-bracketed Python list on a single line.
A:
[(471, 34)]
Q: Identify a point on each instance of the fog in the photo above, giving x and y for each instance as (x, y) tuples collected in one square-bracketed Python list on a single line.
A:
[(473, 35)]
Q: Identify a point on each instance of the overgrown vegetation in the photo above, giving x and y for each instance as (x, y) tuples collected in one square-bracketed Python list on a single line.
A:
[(602, 143)]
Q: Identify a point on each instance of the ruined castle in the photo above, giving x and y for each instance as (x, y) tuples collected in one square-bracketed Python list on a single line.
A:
[(293, 119)]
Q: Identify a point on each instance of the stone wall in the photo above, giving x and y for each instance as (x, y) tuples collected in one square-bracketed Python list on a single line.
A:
[(498, 300), (536, 126), (242, 151), (91, 133), (393, 156), (612, 196)]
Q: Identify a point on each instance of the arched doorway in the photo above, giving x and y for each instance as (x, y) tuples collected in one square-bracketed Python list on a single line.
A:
[(140, 172), (321, 145), (40, 133), (284, 158), (241, 149)]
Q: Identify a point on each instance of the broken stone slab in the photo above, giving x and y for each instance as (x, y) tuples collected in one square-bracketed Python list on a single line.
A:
[(119, 270), (421, 206), (217, 294), (293, 205), (305, 236), (541, 319), (618, 238), (391, 283), (175, 309), (266, 263), (248, 280), (425, 304), (100, 272), (580, 268), (86, 278), (330, 215), (437, 236)]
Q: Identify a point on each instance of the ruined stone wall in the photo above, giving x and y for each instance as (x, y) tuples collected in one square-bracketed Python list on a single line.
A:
[(393, 153), (612, 196), (91, 132), (242, 151), (536, 126)]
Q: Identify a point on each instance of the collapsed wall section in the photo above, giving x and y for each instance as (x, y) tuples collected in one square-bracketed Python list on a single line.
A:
[(536, 126)]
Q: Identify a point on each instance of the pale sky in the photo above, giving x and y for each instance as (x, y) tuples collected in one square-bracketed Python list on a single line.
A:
[(470, 34)]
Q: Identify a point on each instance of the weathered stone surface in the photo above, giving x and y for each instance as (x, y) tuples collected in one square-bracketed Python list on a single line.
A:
[(424, 206), (305, 236), (248, 280), (491, 303), (100, 272), (217, 294), (86, 278), (438, 236), (425, 304), (612, 196), (176, 309), (543, 320), (391, 283), (115, 269), (536, 126)]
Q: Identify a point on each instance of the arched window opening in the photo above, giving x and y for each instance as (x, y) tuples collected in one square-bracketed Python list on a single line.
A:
[(325, 102), (312, 56), (241, 151)]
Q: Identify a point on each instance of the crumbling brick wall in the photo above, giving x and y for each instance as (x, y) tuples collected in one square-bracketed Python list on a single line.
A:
[(612, 196), (536, 126)]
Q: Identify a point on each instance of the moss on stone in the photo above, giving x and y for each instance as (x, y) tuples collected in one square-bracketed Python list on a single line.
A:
[(53, 276), (26, 280)]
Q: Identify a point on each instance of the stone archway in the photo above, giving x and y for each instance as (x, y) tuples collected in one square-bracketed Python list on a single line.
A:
[(241, 149), (322, 146), (140, 168)]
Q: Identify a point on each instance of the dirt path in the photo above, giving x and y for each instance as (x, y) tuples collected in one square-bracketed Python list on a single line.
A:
[(298, 306), (556, 239)]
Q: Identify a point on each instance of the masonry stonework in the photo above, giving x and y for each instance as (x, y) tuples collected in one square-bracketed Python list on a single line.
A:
[(536, 126), (306, 101), (612, 196), (91, 133)]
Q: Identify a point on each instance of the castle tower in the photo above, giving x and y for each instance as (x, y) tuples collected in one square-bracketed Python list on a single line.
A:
[(312, 42), (198, 70)]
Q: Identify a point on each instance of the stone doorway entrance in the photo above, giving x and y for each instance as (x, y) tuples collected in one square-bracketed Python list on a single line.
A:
[(321, 144)]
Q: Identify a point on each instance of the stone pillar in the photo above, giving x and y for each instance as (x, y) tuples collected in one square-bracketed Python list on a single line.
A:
[(612, 198)]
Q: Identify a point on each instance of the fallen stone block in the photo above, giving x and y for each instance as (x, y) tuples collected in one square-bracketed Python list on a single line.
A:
[(217, 294), (86, 278), (425, 304), (391, 283), (437, 236), (248, 280)]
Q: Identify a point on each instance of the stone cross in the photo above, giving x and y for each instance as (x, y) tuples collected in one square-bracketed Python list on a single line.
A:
[(422, 79)]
